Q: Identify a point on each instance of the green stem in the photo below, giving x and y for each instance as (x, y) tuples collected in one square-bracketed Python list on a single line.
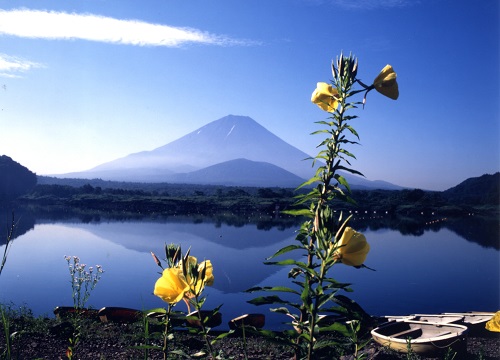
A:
[(203, 328), (244, 341), (165, 333), (10, 234), (6, 328)]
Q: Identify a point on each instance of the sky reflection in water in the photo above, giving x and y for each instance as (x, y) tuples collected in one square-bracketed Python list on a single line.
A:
[(438, 271)]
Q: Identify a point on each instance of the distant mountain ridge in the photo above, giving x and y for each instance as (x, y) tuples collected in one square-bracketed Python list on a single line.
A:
[(234, 150)]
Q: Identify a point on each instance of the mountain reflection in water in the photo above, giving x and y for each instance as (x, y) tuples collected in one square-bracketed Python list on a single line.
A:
[(421, 264)]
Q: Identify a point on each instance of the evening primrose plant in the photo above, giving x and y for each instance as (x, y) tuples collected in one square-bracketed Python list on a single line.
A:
[(184, 278), (325, 239)]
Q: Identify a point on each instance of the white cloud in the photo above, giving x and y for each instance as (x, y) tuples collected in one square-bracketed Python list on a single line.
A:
[(61, 25), (11, 66)]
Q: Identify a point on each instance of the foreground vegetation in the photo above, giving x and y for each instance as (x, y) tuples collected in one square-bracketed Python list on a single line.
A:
[(47, 338)]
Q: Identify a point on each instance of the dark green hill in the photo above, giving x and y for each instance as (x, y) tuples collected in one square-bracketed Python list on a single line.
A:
[(484, 190), (15, 179)]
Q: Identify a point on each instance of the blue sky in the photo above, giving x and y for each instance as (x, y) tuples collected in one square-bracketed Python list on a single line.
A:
[(87, 81)]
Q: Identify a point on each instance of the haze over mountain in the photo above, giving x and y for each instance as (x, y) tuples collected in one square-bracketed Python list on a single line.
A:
[(234, 150)]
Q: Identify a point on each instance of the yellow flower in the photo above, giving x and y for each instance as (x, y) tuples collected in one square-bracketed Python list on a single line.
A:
[(209, 276), (172, 286), (494, 323), (386, 84), (325, 96), (196, 283), (352, 248)]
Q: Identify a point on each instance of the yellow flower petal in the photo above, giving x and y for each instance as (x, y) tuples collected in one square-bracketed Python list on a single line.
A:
[(386, 84), (209, 276), (353, 248), (325, 96), (196, 285), (171, 286), (494, 323)]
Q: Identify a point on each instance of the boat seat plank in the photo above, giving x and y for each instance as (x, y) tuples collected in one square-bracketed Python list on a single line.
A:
[(406, 332)]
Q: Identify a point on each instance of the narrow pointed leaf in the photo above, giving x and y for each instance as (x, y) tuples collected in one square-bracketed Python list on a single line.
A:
[(298, 212), (285, 250), (267, 300)]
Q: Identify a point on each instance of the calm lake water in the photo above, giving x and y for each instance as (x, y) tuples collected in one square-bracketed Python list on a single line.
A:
[(421, 267)]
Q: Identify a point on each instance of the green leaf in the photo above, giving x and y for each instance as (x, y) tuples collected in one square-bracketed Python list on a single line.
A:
[(343, 151), (285, 250), (285, 262), (306, 299), (332, 284), (281, 289), (352, 171), (354, 310), (254, 289), (309, 182), (222, 336), (342, 180), (152, 311), (299, 264), (319, 131), (267, 300), (284, 311), (321, 344), (337, 327), (298, 212), (286, 338), (305, 336), (351, 129), (179, 353), (323, 299)]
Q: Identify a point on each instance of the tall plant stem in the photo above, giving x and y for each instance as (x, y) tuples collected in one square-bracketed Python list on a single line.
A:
[(333, 149), (165, 333), (10, 234), (204, 329)]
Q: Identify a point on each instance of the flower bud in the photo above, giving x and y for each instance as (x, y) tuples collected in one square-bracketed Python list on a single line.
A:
[(352, 248), (386, 84)]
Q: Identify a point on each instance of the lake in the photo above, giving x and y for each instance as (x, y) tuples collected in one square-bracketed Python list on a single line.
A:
[(426, 265)]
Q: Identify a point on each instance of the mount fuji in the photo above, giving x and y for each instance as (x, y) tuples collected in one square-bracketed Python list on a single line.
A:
[(234, 150)]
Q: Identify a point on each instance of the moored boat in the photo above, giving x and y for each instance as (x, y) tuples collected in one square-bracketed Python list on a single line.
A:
[(255, 320), (119, 314), (474, 320), (64, 312), (424, 338), (432, 318)]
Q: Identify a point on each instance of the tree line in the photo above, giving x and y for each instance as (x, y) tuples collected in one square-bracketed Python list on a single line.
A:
[(196, 200)]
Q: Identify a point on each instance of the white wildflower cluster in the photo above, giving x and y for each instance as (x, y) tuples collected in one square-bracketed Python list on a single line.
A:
[(83, 280)]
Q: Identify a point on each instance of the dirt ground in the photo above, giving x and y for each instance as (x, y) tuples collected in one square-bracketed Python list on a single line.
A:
[(121, 341)]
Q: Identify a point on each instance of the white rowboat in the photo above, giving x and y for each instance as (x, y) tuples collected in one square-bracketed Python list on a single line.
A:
[(424, 338)]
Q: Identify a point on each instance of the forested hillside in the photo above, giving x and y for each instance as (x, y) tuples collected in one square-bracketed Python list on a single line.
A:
[(15, 179), (484, 189)]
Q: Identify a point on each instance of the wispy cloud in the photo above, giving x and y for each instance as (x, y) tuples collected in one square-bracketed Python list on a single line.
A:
[(60, 25), (13, 67)]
